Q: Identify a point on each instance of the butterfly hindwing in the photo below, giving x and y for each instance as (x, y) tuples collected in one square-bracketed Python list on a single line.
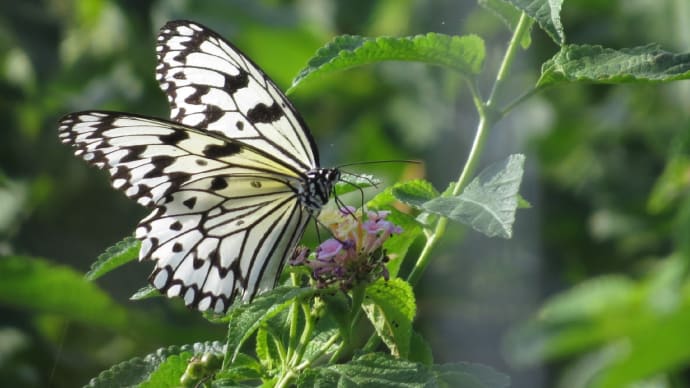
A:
[(225, 216), (211, 248), (211, 85)]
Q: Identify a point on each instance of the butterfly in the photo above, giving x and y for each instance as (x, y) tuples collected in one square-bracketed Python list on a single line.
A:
[(232, 178)]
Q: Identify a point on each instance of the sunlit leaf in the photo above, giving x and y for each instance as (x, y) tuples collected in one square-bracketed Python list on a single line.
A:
[(390, 307), (370, 370), (414, 193), (115, 256), (597, 64), (138, 370), (489, 202), (464, 54), (547, 13)]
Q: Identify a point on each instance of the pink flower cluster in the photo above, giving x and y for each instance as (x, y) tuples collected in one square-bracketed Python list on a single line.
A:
[(354, 254)]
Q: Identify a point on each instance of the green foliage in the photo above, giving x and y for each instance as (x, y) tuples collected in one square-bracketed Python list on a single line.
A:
[(349, 183), (37, 284), (547, 13), (586, 63), (463, 54), (390, 307), (612, 164), (597, 314), (115, 256), (161, 368)]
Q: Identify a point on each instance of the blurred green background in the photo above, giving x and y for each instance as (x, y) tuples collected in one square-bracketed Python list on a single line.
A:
[(607, 169)]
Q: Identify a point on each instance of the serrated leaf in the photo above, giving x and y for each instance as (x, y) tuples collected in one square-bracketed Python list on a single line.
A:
[(547, 14), (115, 256), (36, 284), (464, 54), (349, 183), (509, 15), (370, 370), (145, 292), (245, 319), (489, 202), (266, 349), (138, 370), (242, 368), (585, 63), (470, 375), (415, 192), (168, 372), (390, 307)]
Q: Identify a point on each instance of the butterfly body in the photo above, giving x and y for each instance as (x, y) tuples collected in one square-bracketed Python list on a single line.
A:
[(232, 179)]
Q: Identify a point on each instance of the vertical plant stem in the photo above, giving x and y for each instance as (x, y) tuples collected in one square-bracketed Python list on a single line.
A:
[(486, 119)]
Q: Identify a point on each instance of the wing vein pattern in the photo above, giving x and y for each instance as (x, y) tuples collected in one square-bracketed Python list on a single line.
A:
[(231, 179)]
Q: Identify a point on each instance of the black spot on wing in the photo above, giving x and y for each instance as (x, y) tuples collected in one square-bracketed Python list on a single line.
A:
[(190, 203), (159, 164), (219, 151), (133, 154), (176, 226), (239, 81), (264, 114), (174, 138), (218, 183), (212, 114), (177, 247)]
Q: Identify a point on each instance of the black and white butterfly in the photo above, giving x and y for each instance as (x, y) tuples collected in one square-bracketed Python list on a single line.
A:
[(232, 179)]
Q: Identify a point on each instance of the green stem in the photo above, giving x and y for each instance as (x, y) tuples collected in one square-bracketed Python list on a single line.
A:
[(306, 335), (294, 321), (318, 353), (486, 119)]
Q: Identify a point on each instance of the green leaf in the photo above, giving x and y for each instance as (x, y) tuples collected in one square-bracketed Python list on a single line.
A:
[(469, 375), (547, 13), (146, 292), (242, 368), (245, 319), (168, 372), (671, 185), (266, 349), (138, 370), (115, 256), (420, 350), (390, 307), (370, 370), (349, 183), (510, 16), (489, 202), (592, 312), (415, 192), (464, 54), (36, 284), (597, 64)]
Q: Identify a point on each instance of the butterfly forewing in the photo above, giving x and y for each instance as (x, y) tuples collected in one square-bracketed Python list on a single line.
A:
[(210, 84)]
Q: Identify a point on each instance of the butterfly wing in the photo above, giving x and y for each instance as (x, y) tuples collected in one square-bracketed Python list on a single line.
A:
[(225, 216), (211, 85)]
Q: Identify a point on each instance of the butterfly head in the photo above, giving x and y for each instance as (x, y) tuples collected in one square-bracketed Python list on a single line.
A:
[(318, 187)]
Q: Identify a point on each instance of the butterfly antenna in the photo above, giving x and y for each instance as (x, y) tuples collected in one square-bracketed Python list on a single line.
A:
[(380, 162)]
